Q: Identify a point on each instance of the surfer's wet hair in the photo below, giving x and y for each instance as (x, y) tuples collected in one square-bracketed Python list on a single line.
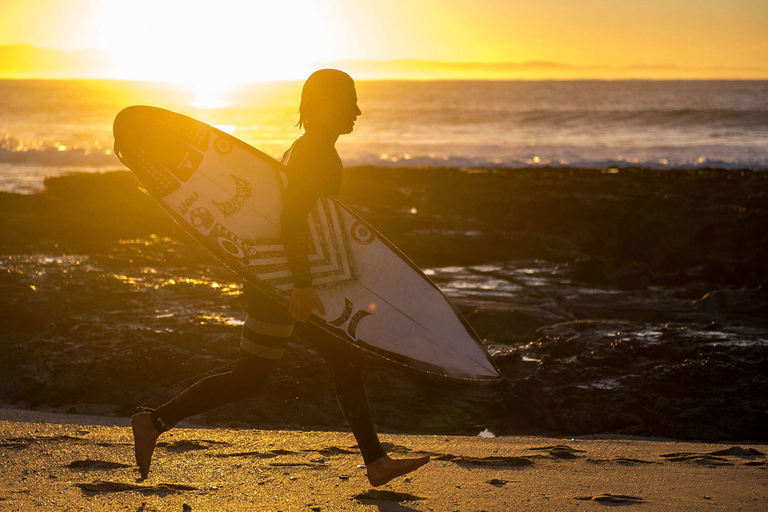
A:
[(321, 86)]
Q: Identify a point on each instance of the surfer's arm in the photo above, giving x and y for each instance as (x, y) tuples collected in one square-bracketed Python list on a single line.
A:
[(300, 197)]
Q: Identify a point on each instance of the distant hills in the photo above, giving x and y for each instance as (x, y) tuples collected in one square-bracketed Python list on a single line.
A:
[(421, 69), (25, 61)]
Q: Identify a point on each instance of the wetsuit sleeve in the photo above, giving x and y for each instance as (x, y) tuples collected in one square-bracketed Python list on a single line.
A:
[(305, 186)]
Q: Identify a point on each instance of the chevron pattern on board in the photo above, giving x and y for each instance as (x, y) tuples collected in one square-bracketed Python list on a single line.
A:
[(329, 259)]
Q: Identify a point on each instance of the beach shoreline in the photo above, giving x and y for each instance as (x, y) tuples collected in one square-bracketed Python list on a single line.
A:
[(73, 462)]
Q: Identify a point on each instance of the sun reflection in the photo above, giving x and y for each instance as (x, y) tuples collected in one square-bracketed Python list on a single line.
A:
[(208, 96), (217, 319)]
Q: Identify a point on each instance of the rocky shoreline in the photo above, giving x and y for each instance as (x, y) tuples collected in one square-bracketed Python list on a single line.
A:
[(628, 301)]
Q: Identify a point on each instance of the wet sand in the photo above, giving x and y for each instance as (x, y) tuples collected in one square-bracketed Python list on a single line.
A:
[(73, 462)]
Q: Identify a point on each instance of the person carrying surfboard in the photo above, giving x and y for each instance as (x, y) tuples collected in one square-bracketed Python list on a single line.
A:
[(328, 109)]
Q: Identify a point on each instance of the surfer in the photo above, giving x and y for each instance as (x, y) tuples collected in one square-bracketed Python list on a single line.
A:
[(328, 109)]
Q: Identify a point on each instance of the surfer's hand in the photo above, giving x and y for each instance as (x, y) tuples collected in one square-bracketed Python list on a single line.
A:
[(303, 301)]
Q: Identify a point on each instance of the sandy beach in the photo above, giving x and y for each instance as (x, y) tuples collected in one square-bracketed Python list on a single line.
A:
[(63, 462)]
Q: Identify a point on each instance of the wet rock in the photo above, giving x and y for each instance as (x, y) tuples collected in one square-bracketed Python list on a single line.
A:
[(621, 377), (632, 304)]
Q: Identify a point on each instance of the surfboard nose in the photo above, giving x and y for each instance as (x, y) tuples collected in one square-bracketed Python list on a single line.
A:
[(124, 127), (126, 121), (141, 146), (161, 147)]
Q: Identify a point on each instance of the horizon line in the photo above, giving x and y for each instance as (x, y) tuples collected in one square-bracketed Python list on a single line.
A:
[(26, 61)]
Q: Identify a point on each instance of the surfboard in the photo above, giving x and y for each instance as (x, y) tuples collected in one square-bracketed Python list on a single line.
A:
[(229, 196)]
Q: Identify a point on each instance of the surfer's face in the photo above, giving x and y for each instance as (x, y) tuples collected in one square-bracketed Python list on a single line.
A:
[(338, 113), (348, 112)]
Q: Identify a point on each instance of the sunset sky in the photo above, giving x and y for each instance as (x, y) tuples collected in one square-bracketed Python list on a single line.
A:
[(235, 41)]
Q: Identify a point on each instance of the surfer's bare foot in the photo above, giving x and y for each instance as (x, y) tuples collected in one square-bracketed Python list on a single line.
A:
[(386, 468), (144, 439)]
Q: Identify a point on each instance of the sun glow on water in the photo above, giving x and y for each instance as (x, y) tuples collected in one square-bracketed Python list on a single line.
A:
[(211, 96)]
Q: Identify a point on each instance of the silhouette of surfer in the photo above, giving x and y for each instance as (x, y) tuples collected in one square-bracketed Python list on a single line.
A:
[(328, 109)]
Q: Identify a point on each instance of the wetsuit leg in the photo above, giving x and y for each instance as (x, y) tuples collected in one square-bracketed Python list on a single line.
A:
[(348, 363), (267, 329)]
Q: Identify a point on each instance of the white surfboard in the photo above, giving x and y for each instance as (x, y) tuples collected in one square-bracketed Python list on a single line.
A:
[(229, 196)]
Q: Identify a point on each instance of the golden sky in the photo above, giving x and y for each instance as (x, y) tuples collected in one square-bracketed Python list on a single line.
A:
[(229, 41)]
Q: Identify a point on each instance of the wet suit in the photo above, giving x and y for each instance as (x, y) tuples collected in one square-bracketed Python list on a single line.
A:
[(314, 170)]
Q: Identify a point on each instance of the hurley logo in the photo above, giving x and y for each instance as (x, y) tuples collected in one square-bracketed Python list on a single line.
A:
[(348, 318)]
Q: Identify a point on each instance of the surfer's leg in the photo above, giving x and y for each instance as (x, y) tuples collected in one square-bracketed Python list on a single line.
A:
[(261, 347), (245, 381), (144, 440), (267, 329), (354, 404), (348, 364)]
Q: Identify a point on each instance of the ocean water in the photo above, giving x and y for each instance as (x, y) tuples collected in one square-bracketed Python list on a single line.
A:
[(55, 127)]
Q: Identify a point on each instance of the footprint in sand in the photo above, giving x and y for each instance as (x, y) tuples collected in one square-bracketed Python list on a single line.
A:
[(739, 452), (612, 498), (697, 458), (622, 460), (498, 482), (259, 455), (297, 464), (18, 443), (333, 450), (375, 495), (717, 457), (101, 487), (559, 451), (486, 461), (90, 464), (184, 445)]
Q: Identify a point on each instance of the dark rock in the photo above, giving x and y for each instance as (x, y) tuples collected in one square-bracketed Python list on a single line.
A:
[(632, 304)]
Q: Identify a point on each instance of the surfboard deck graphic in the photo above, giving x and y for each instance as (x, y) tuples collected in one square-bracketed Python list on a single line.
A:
[(228, 196)]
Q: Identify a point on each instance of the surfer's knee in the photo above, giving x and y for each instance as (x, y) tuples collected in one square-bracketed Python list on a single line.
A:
[(251, 370)]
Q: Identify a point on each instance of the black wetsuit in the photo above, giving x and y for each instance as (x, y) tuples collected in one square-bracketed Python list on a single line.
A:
[(314, 170)]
